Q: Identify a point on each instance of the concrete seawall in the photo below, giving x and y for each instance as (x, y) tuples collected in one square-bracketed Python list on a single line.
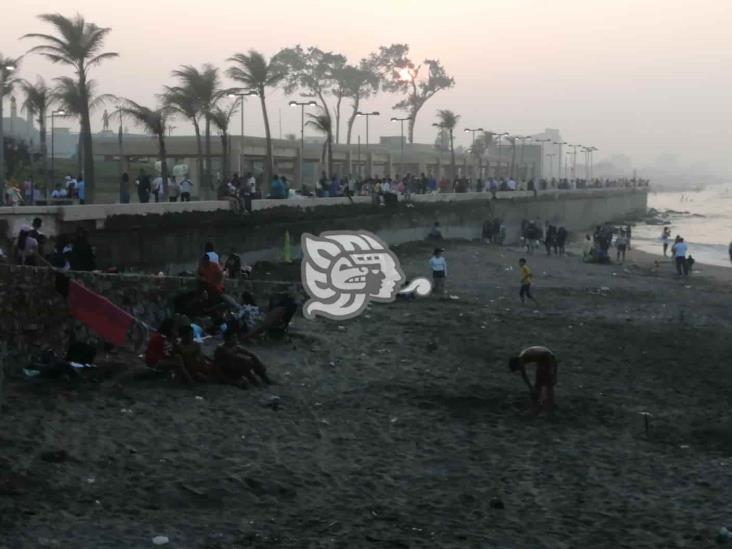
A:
[(174, 242)]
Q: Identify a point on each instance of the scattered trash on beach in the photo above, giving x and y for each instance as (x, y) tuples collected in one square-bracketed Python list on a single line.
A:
[(454, 297), (497, 503), (125, 411), (272, 401), (199, 397), (646, 421), (160, 540), (725, 535)]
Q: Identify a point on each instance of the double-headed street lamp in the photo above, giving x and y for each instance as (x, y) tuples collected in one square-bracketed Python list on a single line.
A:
[(560, 143), (551, 163), (5, 70), (473, 131), (401, 143), (368, 115), (574, 159), (499, 137), (241, 96), (523, 139), (588, 161), (302, 105), (541, 154), (54, 114)]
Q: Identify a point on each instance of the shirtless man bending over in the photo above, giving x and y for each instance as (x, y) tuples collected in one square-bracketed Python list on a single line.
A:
[(542, 391)]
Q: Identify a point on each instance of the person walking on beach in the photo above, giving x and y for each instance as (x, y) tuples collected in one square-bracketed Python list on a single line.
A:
[(546, 364), (679, 250), (526, 279), (665, 237), (439, 271), (621, 244)]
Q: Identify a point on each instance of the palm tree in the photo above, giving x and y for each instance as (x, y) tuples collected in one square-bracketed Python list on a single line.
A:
[(257, 74), (204, 88), (221, 118), (154, 122), (69, 96), (447, 120), (38, 98), (322, 123), (7, 66), (79, 44), (180, 100)]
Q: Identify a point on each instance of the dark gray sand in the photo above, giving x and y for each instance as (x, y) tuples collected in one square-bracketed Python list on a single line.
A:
[(404, 429)]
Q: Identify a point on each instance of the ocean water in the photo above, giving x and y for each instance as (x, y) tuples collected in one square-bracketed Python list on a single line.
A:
[(703, 218)]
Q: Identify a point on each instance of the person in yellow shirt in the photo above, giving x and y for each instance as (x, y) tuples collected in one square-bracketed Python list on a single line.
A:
[(526, 278)]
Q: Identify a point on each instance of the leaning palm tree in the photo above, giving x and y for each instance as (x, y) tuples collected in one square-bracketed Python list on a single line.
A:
[(221, 118), (204, 87), (447, 120), (257, 74), (323, 123), (7, 82), (183, 102), (154, 122), (79, 44), (38, 99), (68, 95)]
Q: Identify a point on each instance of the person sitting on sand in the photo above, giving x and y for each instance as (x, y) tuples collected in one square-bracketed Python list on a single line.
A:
[(527, 278), (160, 345), (282, 308), (237, 366), (435, 233), (193, 365), (542, 391)]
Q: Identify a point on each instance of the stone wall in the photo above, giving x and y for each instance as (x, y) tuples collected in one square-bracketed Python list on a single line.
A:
[(173, 243)]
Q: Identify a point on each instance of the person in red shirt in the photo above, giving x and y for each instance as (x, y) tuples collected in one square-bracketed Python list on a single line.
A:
[(211, 274), (160, 345), (542, 391)]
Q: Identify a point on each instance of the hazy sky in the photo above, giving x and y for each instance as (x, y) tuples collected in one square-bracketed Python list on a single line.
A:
[(640, 77)]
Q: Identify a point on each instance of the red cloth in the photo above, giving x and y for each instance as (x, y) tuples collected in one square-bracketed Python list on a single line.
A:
[(99, 314), (156, 350)]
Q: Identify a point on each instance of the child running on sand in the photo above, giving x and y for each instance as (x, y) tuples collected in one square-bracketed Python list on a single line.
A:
[(542, 391), (526, 278)]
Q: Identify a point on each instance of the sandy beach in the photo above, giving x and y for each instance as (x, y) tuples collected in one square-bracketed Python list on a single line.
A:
[(403, 428)]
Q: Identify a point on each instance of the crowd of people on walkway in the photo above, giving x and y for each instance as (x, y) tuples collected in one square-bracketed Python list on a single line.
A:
[(245, 188)]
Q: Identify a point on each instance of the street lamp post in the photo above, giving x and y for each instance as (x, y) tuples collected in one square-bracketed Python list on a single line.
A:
[(302, 105), (4, 71), (541, 154), (523, 140), (54, 114), (500, 137), (401, 143), (574, 159), (241, 97), (473, 131), (367, 115), (559, 168), (551, 163)]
